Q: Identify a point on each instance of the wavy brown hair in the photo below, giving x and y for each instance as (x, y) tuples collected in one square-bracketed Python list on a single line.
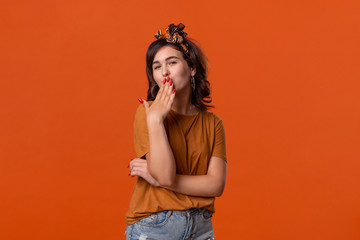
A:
[(195, 58)]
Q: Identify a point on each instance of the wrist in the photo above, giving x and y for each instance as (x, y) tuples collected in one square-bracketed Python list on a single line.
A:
[(150, 119)]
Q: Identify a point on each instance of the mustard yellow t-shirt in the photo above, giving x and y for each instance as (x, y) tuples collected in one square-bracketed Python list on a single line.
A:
[(193, 140)]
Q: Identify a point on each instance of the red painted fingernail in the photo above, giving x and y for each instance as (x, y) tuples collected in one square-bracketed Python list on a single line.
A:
[(141, 101), (170, 83), (168, 78), (164, 81), (128, 165), (129, 174), (174, 90)]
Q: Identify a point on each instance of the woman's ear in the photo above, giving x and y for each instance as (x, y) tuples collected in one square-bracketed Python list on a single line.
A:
[(193, 71)]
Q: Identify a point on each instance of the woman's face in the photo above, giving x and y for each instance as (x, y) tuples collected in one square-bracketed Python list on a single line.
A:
[(170, 62)]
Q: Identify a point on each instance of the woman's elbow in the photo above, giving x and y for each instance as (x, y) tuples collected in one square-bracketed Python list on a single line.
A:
[(164, 180), (220, 189), (164, 176)]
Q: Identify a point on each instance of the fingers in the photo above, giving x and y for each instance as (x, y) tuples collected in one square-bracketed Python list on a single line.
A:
[(137, 162), (160, 90), (161, 106), (146, 105), (172, 96), (170, 93), (166, 90), (138, 167), (136, 172)]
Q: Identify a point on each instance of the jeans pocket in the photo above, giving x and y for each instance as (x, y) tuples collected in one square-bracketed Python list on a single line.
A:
[(206, 215), (157, 219)]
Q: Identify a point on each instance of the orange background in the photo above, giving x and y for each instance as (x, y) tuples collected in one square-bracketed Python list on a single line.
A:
[(285, 80)]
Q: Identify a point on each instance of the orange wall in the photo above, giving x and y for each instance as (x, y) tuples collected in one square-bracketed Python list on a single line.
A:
[(285, 80)]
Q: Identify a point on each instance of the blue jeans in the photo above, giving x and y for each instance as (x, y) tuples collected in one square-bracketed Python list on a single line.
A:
[(194, 223)]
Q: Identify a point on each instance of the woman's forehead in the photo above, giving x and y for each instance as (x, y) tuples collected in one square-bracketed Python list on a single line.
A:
[(166, 52)]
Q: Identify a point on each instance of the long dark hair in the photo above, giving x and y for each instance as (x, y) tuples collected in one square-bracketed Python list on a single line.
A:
[(195, 58)]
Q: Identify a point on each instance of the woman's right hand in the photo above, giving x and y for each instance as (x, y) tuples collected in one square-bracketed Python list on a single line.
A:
[(138, 167), (161, 106)]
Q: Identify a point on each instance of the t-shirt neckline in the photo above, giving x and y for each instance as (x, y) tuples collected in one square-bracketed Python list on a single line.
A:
[(183, 115)]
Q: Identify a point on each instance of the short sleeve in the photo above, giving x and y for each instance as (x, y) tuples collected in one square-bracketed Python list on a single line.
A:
[(219, 143), (141, 137)]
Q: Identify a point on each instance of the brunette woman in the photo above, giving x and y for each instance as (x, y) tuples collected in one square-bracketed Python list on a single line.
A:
[(180, 145)]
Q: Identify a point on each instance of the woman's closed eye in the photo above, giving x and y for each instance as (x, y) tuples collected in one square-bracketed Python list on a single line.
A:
[(170, 63)]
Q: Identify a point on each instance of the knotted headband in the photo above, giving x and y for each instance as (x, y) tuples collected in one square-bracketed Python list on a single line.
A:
[(174, 34)]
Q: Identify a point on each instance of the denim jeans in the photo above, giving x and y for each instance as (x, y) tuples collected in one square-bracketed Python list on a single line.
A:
[(194, 223)]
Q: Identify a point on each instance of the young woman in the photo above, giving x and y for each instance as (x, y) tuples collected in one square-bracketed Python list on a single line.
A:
[(180, 146)]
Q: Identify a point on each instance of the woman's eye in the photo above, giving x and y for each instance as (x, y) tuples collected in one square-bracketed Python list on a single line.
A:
[(172, 62), (156, 67)]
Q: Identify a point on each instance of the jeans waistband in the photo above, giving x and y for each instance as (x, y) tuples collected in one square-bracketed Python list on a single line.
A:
[(191, 211)]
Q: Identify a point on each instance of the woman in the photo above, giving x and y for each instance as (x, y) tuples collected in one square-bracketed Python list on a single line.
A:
[(179, 145)]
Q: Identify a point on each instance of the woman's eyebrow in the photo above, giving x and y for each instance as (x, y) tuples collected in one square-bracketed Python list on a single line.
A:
[(168, 58)]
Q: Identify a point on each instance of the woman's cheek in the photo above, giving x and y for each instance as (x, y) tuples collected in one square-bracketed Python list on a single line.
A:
[(158, 83), (157, 79)]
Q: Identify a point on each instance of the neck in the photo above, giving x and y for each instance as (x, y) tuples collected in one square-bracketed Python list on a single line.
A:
[(182, 103)]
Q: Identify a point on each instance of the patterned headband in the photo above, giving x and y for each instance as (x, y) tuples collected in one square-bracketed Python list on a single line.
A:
[(174, 34)]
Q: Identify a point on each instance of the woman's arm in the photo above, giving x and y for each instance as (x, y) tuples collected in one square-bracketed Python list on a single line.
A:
[(210, 185), (161, 162)]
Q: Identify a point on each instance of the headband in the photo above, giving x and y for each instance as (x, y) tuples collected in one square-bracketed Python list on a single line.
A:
[(174, 34)]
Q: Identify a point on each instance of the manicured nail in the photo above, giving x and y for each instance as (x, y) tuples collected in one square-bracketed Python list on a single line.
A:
[(164, 81), (174, 90), (141, 101), (170, 83), (168, 78)]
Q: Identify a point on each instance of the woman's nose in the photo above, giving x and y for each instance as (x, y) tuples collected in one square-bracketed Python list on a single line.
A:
[(165, 71)]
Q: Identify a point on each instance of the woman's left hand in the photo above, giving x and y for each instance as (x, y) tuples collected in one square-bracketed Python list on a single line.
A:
[(138, 167)]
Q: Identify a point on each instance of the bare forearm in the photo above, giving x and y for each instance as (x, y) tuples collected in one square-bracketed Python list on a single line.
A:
[(210, 185), (161, 161), (198, 185)]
